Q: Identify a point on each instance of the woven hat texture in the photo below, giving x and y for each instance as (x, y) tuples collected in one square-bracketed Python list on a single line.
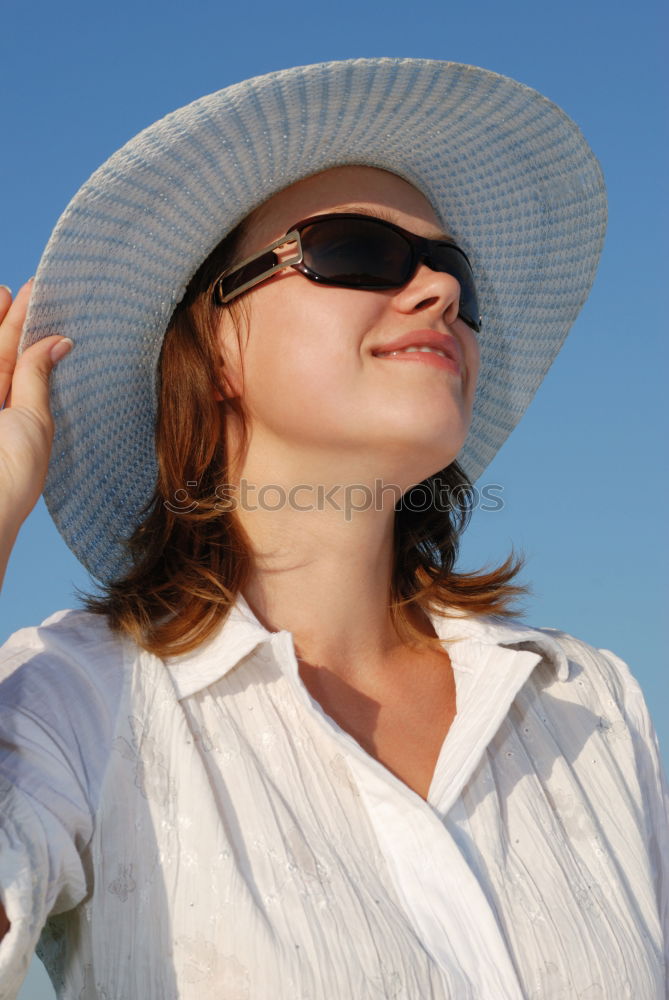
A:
[(510, 175)]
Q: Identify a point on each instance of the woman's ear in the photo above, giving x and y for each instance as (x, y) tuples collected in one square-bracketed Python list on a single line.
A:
[(228, 382), (223, 391)]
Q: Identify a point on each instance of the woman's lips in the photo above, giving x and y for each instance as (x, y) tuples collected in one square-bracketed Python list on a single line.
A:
[(426, 357), (430, 347)]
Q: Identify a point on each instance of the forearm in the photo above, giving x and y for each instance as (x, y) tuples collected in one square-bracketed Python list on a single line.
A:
[(9, 529)]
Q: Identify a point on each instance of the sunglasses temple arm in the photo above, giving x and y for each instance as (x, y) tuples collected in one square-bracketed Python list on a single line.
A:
[(260, 266)]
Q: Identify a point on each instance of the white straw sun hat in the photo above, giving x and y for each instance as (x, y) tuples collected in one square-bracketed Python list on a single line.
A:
[(510, 175)]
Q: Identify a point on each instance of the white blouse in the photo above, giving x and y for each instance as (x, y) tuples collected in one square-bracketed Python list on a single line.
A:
[(199, 827)]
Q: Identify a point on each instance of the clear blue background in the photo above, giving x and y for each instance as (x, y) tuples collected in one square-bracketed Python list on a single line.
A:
[(584, 476)]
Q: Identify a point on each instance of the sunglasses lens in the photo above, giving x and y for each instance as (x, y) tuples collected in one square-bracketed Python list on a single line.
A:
[(356, 253), (369, 253)]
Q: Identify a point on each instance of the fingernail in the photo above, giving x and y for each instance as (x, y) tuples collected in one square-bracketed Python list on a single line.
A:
[(59, 350), (7, 287)]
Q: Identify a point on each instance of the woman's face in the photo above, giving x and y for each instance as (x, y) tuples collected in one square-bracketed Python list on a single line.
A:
[(316, 391)]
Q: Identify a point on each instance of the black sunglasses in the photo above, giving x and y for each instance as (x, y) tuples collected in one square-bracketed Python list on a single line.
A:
[(353, 251)]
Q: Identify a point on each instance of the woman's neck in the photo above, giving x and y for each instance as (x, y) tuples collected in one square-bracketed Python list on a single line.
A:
[(327, 580), (321, 527)]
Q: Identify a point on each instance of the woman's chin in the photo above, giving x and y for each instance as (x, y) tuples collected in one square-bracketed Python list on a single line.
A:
[(412, 468), (421, 454)]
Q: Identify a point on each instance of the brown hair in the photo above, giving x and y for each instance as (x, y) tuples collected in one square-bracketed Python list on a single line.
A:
[(190, 561)]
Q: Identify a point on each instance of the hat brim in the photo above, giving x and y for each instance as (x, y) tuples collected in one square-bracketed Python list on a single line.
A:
[(509, 173)]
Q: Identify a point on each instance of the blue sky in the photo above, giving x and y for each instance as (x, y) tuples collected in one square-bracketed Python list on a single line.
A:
[(584, 477)]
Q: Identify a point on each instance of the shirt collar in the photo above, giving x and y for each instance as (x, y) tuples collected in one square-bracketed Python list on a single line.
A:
[(465, 632), (241, 633)]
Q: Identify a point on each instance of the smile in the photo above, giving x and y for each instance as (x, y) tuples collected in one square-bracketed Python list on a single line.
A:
[(429, 347), (408, 350), (431, 356)]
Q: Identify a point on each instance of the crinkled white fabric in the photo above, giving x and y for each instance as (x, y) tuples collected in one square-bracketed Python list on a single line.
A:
[(199, 828)]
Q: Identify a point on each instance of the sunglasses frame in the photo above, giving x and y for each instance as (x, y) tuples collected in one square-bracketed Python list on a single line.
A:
[(292, 260), (269, 263)]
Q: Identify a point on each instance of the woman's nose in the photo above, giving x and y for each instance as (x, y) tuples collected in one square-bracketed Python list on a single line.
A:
[(430, 291)]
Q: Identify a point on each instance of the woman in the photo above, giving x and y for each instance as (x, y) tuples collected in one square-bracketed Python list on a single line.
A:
[(288, 751)]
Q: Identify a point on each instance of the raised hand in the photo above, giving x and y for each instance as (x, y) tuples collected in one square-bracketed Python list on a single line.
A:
[(26, 424)]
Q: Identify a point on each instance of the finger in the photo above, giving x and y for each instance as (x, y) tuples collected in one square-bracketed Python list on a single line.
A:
[(11, 325), (30, 384), (5, 300)]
